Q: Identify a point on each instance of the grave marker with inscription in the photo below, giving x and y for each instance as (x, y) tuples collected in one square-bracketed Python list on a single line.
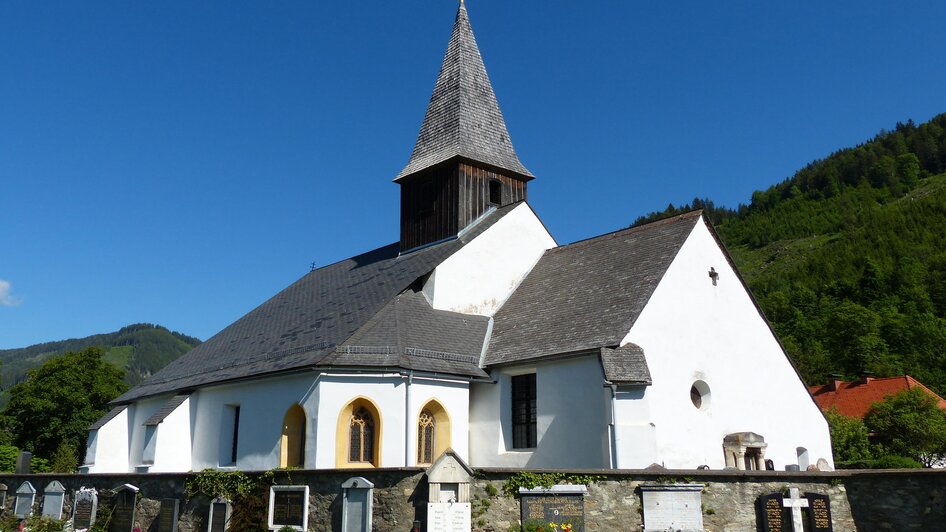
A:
[(167, 515), (289, 506), (123, 513), (561, 504), (772, 515), (448, 494), (3, 495), (357, 502), (673, 507), (25, 495), (53, 495), (819, 513), (219, 518), (85, 508)]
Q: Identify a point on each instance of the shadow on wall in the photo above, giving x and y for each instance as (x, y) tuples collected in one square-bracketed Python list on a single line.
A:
[(898, 500)]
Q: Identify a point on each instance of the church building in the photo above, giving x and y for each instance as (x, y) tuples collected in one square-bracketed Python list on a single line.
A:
[(476, 331)]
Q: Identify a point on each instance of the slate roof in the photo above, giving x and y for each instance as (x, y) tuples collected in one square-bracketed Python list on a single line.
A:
[(586, 295), (854, 399), (625, 364), (302, 324), (110, 415), (166, 409), (463, 118)]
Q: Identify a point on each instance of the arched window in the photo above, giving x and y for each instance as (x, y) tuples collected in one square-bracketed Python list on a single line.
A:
[(361, 436), (425, 437), (292, 441)]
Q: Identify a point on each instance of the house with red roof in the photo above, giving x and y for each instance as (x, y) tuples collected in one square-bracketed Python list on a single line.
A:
[(854, 399)]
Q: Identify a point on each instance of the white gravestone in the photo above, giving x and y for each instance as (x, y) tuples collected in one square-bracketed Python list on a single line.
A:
[(449, 517), (675, 507), (25, 495), (52, 500), (357, 494), (85, 508), (448, 506)]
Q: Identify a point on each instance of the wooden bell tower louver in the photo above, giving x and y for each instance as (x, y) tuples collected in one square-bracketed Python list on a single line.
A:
[(463, 162)]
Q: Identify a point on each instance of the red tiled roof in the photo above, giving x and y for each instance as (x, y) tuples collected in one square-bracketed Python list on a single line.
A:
[(854, 399)]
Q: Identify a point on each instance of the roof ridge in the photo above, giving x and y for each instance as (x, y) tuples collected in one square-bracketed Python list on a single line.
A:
[(627, 230)]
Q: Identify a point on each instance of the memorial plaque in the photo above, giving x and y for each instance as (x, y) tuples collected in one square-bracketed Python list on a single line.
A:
[(25, 495), (819, 513), (560, 505), (85, 508), (167, 515), (357, 501), (673, 507), (123, 514), (772, 514), (289, 506), (449, 517), (219, 518), (52, 500)]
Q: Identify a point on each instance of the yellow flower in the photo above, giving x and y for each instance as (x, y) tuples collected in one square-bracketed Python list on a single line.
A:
[(553, 526)]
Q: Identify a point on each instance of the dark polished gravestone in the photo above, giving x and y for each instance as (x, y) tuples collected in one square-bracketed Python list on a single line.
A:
[(219, 518), (562, 504), (776, 516), (123, 514), (167, 515), (85, 508), (289, 506), (819, 512)]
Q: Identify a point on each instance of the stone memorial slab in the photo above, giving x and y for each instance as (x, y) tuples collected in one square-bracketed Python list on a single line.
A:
[(449, 517), (3, 495), (25, 495), (53, 495), (772, 515), (289, 506), (23, 464), (677, 507), (219, 518), (85, 508), (819, 513), (123, 513), (167, 515), (357, 501), (562, 504)]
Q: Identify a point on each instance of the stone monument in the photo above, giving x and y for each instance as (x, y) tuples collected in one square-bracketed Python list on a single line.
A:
[(218, 519), (167, 515), (563, 504), (85, 508), (25, 495), (53, 496), (357, 503), (289, 506), (123, 513), (448, 497), (673, 507)]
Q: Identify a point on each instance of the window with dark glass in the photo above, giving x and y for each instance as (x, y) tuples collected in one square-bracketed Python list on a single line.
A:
[(523, 411), (495, 192), (361, 437), (425, 438)]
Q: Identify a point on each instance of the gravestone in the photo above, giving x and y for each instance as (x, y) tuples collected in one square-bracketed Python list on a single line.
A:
[(819, 513), (218, 519), (3, 496), (677, 507), (167, 515), (793, 513), (289, 506), (23, 463), (357, 495), (25, 495), (85, 508), (561, 504), (123, 514), (772, 517), (795, 503), (448, 497), (52, 500)]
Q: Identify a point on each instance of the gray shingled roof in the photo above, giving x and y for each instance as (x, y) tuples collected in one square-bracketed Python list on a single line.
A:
[(588, 294), (110, 415), (300, 325), (409, 333), (463, 118), (625, 364), (169, 406)]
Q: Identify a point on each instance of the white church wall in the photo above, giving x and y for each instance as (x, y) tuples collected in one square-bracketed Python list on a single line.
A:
[(573, 413), (692, 330), (478, 278), (635, 436), (263, 405), (454, 397), (137, 415), (173, 443), (107, 449)]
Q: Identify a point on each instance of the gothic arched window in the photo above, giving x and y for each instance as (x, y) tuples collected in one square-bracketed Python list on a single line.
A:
[(361, 436), (426, 427)]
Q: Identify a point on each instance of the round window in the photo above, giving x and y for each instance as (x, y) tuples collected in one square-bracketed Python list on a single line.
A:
[(700, 395)]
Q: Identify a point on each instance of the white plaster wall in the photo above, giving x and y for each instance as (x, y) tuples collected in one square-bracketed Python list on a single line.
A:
[(635, 433), (455, 399), (138, 413), (172, 452), (263, 405), (478, 278), (108, 446), (693, 330), (573, 413)]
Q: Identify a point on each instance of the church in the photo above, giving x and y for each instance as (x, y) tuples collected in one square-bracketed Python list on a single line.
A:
[(478, 332)]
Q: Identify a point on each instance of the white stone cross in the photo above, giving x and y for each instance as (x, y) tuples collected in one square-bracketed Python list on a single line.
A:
[(796, 503)]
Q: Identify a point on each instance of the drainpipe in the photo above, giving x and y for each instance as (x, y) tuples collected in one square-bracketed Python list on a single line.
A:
[(407, 419), (614, 440)]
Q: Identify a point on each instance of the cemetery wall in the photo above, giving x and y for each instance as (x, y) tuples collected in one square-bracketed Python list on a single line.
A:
[(860, 500)]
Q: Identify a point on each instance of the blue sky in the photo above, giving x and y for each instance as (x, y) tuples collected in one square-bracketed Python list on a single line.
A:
[(179, 163)]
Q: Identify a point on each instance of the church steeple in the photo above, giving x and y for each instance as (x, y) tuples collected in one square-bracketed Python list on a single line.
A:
[(463, 161)]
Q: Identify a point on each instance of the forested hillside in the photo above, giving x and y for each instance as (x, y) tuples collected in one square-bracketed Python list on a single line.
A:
[(139, 350), (848, 256)]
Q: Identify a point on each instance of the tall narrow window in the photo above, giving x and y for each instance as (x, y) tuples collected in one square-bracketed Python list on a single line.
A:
[(495, 192), (523, 411), (229, 434), (236, 434), (361, 436), (426, 426)]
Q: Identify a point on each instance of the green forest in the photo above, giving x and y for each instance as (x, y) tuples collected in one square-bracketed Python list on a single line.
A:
[(848, 257)]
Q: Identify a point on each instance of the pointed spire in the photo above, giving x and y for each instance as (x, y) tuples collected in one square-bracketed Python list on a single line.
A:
[(463, 118)]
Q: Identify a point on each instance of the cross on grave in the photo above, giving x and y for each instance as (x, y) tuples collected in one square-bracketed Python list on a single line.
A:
[(714, 275), (796, 503)]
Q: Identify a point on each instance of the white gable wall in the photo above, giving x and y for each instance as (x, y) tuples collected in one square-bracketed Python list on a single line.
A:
[(573, 412), (173, 444), (691, 330), (108, 446), (479, 277)]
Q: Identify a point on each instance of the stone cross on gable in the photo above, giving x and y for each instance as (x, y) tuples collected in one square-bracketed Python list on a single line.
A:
[(796, 503), (714, 275)]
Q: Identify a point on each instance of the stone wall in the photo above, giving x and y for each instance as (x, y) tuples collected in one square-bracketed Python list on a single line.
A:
[(901, 500)]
